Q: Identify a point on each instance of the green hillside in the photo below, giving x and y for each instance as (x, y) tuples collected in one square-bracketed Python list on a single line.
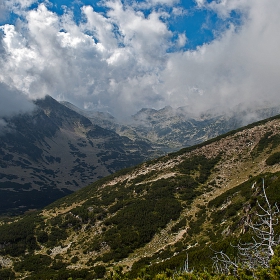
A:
[(142, 221)]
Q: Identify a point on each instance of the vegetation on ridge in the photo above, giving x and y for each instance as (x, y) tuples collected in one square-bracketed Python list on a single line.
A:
[(146, 220)]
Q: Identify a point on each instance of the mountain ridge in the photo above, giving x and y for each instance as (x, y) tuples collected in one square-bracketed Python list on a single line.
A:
[(170, 129), (54, 151), (154, 213)]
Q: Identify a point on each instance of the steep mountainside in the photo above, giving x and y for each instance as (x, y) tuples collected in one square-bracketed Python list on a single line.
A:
[(102, 119), (170, 129), (151, 215), (54, 151)]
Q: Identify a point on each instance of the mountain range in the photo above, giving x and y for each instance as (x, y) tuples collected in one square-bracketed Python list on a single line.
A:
[(170, 129), (58, 148), (53, 151), (153, 216)]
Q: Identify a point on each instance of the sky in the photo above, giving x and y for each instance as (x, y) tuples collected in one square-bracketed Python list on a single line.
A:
[(120, 56)]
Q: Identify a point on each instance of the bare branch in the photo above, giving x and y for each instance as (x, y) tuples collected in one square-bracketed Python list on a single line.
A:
[(258, 252)]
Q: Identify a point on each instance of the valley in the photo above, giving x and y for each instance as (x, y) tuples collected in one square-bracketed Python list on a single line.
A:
[(58, 148)]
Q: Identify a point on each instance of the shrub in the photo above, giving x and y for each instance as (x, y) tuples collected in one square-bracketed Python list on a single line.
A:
[(42, 237), (273, 159), (100, 271)]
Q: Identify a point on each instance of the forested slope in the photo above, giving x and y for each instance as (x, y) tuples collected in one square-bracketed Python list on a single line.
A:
[(154, 216)]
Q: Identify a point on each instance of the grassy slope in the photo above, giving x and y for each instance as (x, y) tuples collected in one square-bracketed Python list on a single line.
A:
[(153, 213)]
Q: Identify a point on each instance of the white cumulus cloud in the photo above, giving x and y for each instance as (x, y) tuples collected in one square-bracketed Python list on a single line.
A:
[(240, 66), (120, 59)]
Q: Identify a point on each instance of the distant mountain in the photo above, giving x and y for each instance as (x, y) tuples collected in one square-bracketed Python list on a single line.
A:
[(102, 119), (170, 129), (176, 128), (54, 151), (152, 217), (107, 121)]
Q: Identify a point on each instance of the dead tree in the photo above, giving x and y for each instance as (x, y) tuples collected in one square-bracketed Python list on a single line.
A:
[(260, 250), (184, 269)]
